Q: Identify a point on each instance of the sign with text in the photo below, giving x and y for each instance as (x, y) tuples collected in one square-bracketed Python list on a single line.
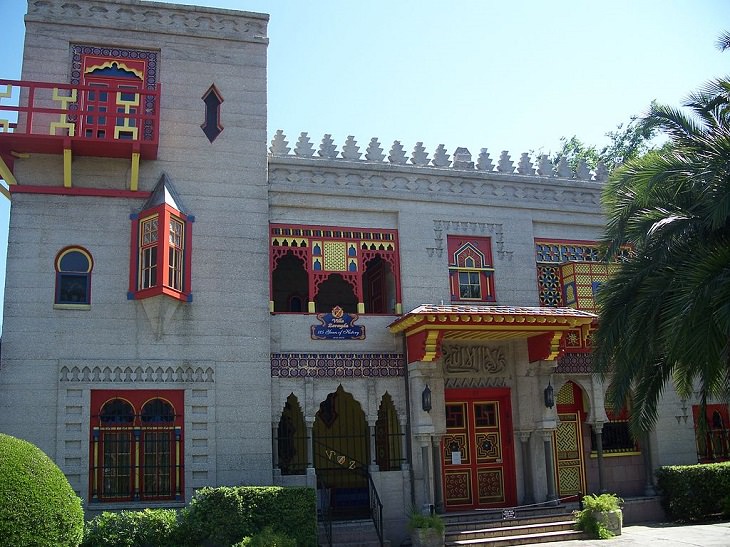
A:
[(337, 325)]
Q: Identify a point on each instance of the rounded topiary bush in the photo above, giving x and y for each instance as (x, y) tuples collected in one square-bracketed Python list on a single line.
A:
[(37, 504)]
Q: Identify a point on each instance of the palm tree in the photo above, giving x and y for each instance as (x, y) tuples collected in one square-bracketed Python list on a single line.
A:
[(665, 315)]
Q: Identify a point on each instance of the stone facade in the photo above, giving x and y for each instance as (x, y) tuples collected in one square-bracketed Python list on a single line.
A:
[(241, 364)]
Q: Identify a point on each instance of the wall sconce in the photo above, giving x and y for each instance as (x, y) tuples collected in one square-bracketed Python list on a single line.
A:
[(426, 399), (549, 395)]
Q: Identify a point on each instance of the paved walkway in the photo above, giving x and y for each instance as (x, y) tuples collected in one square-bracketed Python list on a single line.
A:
[(660, 534)]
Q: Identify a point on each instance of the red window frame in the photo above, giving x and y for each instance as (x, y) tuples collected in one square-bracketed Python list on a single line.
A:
[(471, 265), (161, 264), (137, 431)]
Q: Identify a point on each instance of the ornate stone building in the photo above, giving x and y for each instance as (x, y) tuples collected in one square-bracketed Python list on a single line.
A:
[(184, 309)]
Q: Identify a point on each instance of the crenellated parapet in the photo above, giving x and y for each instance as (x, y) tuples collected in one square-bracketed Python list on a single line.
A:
[(460, 160), (153, 17)]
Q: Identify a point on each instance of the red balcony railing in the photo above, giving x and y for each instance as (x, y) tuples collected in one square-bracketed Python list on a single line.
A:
[(111, 121)]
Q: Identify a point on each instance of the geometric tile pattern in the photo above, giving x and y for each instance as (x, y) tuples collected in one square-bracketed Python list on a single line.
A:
[(565, 395), (457, 486), (559, 252), (488, 446), (569, 479), (336, 365), (555, 285), (582, 281), (456, 442), (549, 285), (335, 259), (569, 455), (120, 53), (574, 363), (490, 485)]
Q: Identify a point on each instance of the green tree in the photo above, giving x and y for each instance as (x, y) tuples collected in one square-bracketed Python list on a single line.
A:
[(626, 142), (665, 315)]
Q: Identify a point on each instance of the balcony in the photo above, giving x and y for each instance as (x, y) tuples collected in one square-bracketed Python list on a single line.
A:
[(114, 121)]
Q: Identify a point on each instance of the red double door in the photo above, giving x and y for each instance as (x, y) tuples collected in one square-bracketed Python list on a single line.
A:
[(477, 452)]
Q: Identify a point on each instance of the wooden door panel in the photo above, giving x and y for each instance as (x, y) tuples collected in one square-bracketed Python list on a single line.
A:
[(477, 455)]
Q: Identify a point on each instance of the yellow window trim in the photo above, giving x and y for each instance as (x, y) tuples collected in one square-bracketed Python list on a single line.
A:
[(616, 454), (72, 306)]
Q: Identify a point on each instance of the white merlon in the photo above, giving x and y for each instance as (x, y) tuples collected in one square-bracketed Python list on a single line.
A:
[(374, 152), (462, 159)]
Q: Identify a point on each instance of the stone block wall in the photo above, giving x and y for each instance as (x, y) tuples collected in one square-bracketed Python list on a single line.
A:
[(224, 330)]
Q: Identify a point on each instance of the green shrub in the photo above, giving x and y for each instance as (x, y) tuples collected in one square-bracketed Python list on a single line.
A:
[(267, 538), (725, 506), (149, 527), (37, 504), (418, 519), (586, 519), (693, 492), (224, 516)]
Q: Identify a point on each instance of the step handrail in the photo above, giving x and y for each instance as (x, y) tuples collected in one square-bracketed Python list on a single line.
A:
[(376, 506)]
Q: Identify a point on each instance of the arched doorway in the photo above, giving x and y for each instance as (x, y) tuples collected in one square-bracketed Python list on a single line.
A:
[(340, 442), (570, 467)]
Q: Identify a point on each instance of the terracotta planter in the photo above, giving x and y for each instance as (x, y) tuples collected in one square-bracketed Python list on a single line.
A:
[(427, 537), (612, 520)]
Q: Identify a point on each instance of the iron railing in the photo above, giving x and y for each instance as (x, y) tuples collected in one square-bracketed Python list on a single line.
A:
[(49, 114), (325, 509), (376, 507)]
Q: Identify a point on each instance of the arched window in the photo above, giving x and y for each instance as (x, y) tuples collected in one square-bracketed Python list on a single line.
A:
[(335, 291), (388, 437), (158, 449), (136, 445), (290, 284), (117, 422), (317, 268), (292, 439), (73, 277)]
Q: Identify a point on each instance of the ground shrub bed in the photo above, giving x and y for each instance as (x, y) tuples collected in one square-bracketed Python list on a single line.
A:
[(226, 515), (132, 528), (694, 492), (37, 504), (38, 507), (245, 516)]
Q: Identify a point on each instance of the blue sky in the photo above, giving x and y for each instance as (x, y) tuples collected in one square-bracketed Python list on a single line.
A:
[(514, 76)]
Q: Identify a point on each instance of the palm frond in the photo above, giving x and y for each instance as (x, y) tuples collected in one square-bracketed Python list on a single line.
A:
[(665, 314)]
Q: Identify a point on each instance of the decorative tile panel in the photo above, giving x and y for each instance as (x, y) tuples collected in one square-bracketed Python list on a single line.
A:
[(336, 365), (570, 363)]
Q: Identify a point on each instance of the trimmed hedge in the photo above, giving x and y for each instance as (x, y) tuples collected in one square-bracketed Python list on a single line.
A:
[(149, 527), (37, 504), (224, 516), (694, 492)]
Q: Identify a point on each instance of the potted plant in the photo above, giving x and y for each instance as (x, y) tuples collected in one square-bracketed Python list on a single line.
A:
[(601, 515), (427, 529)]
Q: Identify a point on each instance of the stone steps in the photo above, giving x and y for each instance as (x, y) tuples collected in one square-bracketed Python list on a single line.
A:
[(526, 526)]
